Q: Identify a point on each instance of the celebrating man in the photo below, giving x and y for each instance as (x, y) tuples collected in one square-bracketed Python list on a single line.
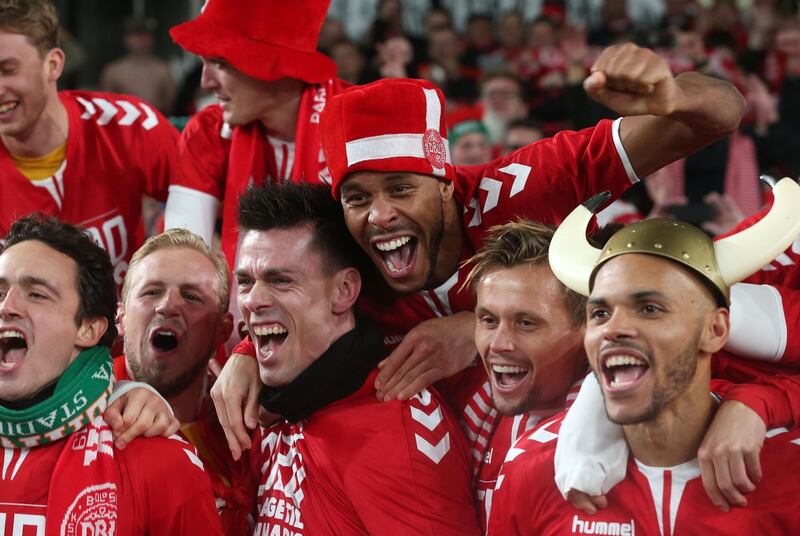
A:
[(656, 314), (87, 158), (174, 315), (338, 461), (260, 60), (61, 472)]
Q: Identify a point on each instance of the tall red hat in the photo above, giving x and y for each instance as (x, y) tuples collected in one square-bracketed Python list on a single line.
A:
[(392, 125), (265, 39)]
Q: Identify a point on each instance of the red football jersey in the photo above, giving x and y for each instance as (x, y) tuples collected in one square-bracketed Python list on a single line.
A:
[(650, 501), (490, 434), (119, 148), (162, 490), (359, 466)]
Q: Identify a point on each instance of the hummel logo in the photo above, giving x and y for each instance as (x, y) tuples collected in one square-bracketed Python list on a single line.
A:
[(579, 526)]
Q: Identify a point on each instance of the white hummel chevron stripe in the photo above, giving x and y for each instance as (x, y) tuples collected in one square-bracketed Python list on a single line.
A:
[(476, 217), (194, 459), (776, 431), (434, 452), (152, 118), (7, 454), (521, 173), (90, 109), (428, 421), (132, 113), (108, 110), (512, 453), (443, 292), (492, 189), (543, 435)]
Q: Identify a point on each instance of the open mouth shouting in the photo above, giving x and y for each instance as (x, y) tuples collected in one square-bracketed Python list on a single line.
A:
[(269, 338), (398, 254), (622, 370), (164, 340), (13, 348), (508, 378)]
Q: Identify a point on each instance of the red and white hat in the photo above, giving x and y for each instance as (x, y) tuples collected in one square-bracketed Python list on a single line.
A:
[(392, 125), (264, 39)]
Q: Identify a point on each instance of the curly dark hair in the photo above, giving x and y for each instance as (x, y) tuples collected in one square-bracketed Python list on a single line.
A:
[(96, 288)]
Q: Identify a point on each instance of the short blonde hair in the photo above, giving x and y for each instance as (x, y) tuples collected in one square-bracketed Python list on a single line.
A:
[(514, 244), (35, 19), (181, 238)]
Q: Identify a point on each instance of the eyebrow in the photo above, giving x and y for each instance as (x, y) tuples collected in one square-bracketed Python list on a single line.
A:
[(269, 272), (349, 186), (182, 286), (636, 296), (31, 281)]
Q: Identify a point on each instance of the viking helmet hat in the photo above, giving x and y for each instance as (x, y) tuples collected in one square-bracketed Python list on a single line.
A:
[(722, 263)]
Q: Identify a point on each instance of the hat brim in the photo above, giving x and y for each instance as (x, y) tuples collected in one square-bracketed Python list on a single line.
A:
[(259, 60)]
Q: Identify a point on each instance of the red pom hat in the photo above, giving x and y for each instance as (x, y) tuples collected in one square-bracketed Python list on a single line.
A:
[(392, 125), (264, 39)]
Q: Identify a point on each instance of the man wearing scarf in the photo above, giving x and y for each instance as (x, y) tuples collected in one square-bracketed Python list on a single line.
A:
[(260, 60), (338, 461), (61, 473)]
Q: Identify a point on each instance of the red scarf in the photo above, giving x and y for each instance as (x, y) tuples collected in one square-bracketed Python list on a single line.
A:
[(85, 485), (251, 160)]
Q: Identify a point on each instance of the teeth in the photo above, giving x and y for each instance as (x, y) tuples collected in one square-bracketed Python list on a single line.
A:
[(5, 365), (393, 244), (508, 369), (270, 330), (7, 107), (623, 360), (11, 334), (615, 383)]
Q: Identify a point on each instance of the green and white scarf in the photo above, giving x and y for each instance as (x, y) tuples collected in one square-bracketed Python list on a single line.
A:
[(81, 395)]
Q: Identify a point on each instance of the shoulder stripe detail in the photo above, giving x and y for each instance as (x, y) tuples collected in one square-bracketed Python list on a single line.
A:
[(110, 110), (194, 459), (434, 452), (429, 421)]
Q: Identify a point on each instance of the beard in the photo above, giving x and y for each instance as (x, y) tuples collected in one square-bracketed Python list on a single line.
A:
[(156, 376), (678, 376), (437, 234)]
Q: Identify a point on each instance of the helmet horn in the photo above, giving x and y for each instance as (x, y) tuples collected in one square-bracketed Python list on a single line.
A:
[(746, 252), (571, 256)]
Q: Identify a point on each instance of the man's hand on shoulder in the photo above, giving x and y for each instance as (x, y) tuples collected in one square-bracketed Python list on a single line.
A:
[(235, 396), (433, 350), (139, 412), (730, 454)]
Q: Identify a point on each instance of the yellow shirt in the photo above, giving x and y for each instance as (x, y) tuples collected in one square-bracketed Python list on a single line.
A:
[(41, 167)]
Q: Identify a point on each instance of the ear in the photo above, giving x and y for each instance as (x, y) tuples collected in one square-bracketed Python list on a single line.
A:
[(224, 329), (446, 188), (90, 331), (54, 64), (715, 331), (119, 319), (346, 288)]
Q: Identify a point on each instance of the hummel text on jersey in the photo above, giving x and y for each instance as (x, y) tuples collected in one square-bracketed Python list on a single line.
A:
[(580, 526)]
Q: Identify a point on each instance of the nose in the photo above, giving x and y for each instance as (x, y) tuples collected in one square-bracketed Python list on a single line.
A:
[(257, 298), (619, 326), (169, 302), (382, 212), (208, 79), (502, 340), (9, 304)]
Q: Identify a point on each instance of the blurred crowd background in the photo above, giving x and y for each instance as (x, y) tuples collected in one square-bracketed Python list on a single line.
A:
[(512, 72)]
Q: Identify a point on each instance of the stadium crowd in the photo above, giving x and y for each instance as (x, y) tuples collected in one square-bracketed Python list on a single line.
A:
[(404, 267)]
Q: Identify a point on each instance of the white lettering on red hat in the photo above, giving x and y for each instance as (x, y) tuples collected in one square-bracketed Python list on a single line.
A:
[(433, 148)]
